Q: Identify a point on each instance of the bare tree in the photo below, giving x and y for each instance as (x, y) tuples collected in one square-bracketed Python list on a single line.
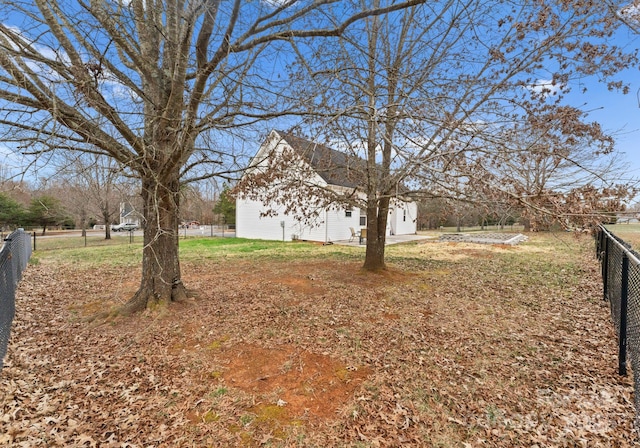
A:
[(196, 206), (152, 85), (422, 94), (98, 184), (551, 177)]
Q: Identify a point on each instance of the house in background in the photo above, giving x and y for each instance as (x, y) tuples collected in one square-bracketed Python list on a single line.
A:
[(129, 215), (309, 170)]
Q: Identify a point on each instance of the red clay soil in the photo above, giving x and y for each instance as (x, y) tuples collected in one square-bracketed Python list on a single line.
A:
[(308, 386)]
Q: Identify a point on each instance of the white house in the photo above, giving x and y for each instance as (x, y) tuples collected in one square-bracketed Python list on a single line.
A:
[(264, 210), (128, 214)]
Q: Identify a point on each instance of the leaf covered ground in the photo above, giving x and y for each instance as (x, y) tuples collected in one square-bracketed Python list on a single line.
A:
[(457, 345)]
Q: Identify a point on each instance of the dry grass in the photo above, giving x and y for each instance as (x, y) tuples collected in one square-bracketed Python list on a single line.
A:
[(455, 345), (628, 232)]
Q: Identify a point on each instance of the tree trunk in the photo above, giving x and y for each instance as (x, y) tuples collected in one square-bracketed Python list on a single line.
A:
[(161, 282), (377, 214), (83, 222), (106, 217), (107, 224)]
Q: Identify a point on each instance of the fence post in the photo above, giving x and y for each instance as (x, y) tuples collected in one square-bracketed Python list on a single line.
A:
[(599, 243), (624, 295), (605, 267)]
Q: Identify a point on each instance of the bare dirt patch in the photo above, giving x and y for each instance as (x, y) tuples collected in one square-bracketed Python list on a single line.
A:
[(307, 386), (441, 350)]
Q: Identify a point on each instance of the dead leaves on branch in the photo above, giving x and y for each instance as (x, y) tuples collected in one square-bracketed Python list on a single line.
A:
[(497, 348)]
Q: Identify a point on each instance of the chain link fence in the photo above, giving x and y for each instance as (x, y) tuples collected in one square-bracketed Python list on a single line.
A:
[(14, 255), (621, 288)]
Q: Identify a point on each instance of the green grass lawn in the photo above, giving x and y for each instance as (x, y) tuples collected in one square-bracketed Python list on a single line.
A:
[(120, 252)]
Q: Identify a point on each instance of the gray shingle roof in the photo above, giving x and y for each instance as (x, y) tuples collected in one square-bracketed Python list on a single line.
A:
[(335, 167)]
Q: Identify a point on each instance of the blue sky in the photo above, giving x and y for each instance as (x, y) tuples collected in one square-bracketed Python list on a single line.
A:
[(619, 114)]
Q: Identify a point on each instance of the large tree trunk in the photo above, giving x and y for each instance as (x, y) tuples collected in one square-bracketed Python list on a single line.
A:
[(161, 282), (377, 215)]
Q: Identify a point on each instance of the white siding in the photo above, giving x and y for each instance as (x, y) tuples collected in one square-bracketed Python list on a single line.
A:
[(249, 224), (403, 218), (339, 224), (332, 225)]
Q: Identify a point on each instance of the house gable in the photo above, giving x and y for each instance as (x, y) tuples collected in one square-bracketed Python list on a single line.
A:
[(334, 167), (277, 154)]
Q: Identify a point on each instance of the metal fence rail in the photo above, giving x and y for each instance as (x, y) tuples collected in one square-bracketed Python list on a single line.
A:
[(14, 255), (621, 287)]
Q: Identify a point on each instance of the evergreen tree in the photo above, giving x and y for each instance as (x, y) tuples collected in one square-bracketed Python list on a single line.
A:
[(226, 206), (45, 211), (11, 212)]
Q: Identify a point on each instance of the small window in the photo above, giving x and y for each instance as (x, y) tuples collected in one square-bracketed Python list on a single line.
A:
[(347, 213), (404, 215), (363, 221)]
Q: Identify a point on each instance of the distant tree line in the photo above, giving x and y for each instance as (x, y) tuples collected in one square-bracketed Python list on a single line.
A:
[(71, 202), (42, 211), (440, 212)]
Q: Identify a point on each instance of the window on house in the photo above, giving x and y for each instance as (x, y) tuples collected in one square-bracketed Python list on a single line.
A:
[(404, 215), (347, 213), (363, 221)]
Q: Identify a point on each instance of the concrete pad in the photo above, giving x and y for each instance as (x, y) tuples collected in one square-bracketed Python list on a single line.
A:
[(484, 238)]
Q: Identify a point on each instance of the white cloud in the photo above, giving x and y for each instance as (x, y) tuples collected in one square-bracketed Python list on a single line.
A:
[(276, 3), (46, 52), (631, 11), (545, 87), (119, 91)]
